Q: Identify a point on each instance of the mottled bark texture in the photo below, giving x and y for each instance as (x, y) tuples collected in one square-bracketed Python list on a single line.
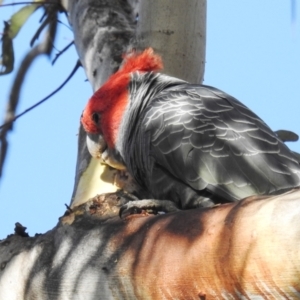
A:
[(246, 250), (103, 32)]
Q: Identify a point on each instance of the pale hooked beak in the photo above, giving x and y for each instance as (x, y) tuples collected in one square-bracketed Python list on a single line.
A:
[(95, 144), (99, 150)]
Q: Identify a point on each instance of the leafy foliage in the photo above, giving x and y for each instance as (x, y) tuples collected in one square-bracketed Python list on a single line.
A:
[(11, 30)]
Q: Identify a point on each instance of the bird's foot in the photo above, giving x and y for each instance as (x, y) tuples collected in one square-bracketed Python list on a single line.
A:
[(149, 206), (128, 196)]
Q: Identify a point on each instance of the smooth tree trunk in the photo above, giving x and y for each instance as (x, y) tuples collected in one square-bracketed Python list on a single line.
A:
[(246, 250)]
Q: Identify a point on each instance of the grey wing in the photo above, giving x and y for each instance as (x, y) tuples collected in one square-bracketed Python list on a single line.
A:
[(211, 142)]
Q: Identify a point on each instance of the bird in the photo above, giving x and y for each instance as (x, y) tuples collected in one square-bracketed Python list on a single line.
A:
[(191, 144)]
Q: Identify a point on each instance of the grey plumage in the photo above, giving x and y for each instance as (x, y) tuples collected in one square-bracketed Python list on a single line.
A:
[(198, 146)]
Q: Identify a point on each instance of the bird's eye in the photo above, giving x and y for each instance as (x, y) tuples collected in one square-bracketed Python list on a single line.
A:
[(96, 118)]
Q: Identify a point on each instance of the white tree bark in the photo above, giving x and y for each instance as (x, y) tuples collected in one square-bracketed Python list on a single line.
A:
[(176, 30)]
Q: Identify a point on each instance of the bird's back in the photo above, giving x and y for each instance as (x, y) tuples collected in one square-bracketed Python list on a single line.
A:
[(195, 141)]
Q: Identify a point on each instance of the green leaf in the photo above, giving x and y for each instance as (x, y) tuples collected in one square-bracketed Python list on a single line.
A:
[(7, 56), (18, 19)]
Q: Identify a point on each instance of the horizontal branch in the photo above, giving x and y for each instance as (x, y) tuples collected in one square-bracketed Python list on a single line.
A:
[(245, 249)]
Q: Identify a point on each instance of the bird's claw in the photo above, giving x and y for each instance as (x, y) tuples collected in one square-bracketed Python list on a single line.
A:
[(149, 206)]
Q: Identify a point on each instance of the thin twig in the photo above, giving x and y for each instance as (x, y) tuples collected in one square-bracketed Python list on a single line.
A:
[(45, 14), (62, 23), (78, 64), (42, 48), (40, 29), (61, 52), (27, 2)]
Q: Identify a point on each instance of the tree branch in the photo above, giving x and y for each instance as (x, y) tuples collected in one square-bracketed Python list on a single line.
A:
[(62, 52), (77, 65), (248, 249), (41, 49)]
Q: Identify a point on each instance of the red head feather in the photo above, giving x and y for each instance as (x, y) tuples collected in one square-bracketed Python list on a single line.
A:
[(111, 99)]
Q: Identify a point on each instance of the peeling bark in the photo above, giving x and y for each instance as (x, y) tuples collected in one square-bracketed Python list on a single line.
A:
[(103, 31), (246, 250)]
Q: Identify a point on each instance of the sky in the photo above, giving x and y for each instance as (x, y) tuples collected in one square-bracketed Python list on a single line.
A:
[(253, 53)]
